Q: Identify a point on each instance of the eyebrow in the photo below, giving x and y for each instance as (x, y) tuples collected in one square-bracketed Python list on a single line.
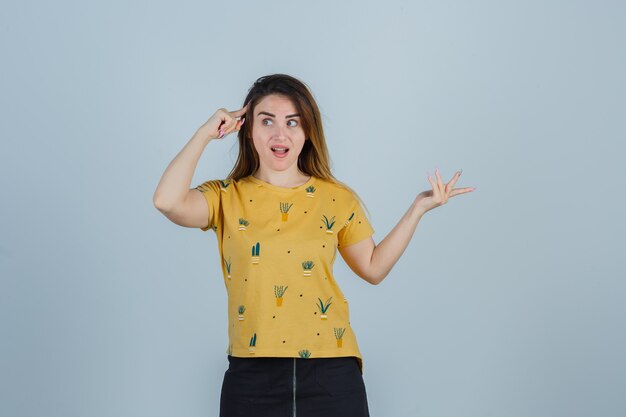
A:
[(273, 115)]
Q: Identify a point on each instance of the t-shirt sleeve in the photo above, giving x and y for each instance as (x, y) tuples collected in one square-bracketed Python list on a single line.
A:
[(213, 196), (356, 225)]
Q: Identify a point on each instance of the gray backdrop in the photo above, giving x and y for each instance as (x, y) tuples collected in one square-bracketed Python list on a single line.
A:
[(509, 301)]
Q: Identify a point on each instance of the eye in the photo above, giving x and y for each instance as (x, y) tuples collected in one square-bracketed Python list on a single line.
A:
[(267, 120), (295, 123)]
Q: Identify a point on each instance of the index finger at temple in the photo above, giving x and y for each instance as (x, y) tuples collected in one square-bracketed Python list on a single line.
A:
[(239, 112)]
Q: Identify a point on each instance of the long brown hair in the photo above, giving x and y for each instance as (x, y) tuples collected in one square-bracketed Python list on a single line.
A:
[(314, 158)]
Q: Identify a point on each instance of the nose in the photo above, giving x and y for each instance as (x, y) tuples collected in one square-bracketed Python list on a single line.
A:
[(280, 130)]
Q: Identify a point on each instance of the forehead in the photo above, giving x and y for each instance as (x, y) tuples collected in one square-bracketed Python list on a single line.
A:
[(276, 104)]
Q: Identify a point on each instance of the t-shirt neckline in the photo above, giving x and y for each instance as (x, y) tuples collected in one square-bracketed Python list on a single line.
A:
[(279, 188)]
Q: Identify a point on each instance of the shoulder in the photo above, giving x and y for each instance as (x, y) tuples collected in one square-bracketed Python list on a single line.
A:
[(330, 185), (340, 192), (224, 185)]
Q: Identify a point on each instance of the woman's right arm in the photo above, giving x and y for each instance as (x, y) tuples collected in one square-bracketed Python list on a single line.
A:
[(173, 196)]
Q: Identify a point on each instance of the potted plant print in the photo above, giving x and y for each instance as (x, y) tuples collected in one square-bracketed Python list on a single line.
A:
[(279, 291), (284, 209), (243, 223), (323, 307), (307, 266), (256, 250), (339, 331), (329, 224)]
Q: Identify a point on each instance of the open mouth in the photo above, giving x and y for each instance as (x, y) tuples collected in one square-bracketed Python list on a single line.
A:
[(280, 150)]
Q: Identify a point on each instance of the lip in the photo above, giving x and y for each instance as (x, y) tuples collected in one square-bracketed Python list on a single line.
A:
[(280, 155)]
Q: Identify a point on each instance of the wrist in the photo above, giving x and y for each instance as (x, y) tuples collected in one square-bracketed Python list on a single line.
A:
[(203, 135), (416, 210)]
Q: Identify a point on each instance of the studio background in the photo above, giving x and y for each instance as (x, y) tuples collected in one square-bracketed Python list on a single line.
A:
[(513, 295)]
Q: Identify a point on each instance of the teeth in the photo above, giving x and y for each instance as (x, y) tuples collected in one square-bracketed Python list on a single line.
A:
[(277, 149)]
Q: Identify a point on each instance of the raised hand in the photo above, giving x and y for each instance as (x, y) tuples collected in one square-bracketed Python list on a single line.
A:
[(223, 122), (440, 193)]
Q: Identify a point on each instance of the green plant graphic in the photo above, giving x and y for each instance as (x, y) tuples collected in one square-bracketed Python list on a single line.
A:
[(243, 223), (241, 310), (309, 191), (339, 331), (284, 207), (328, 223), (256, 250), (307, 266), (279, 291), (349, 219), (304, 353), (323, 307), (224, 185), (228, 264), (253, 341)]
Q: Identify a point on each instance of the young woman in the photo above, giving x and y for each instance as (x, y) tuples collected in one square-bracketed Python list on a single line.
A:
[(280, 216)]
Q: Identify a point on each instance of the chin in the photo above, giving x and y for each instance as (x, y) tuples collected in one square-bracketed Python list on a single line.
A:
[(282, 166)]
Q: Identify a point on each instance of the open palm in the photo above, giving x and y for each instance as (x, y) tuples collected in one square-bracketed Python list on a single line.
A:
[(440, 193)]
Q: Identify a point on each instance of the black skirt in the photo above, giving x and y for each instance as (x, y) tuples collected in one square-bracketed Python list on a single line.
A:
[(293, 387)]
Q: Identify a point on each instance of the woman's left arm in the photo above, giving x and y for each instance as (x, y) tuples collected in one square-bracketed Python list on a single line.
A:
[(373, 262)]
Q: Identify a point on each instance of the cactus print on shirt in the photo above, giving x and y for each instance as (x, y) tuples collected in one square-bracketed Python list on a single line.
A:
[(278, 246)]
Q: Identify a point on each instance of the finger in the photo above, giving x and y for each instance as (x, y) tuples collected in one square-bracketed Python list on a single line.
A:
[(230, 124), (442, 187), (240, 112), (439, 181), (223, 115), (223, 127), (236, 125), (458, 191), (226, 126), (436, 192), (453, 180)]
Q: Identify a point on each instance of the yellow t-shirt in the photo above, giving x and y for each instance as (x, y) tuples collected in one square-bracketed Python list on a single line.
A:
[(278, 246)]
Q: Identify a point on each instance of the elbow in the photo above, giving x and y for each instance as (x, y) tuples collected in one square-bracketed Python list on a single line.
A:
[(156, 204), (159, 205), (156, 201), (376, 279)]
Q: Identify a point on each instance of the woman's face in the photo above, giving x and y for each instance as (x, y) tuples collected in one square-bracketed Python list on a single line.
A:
[(277, 125)]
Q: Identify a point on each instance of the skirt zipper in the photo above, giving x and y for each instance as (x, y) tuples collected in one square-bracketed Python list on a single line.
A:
[(294, 387)]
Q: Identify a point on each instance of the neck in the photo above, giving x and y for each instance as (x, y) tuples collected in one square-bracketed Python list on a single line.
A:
[(287, 178)]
